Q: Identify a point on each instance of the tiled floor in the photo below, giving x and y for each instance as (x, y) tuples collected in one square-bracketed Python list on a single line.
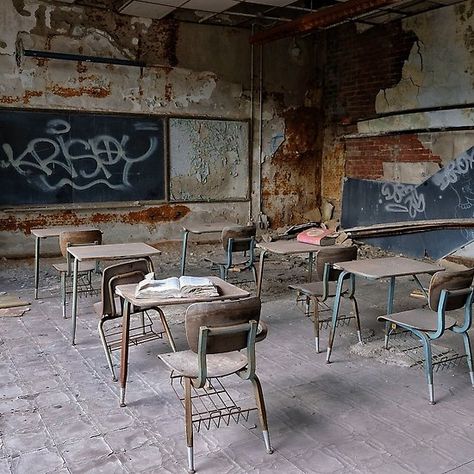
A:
[(60, 411)]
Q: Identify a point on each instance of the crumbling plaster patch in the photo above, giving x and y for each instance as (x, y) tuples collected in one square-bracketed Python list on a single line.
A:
[(439, 70), (12, 21)]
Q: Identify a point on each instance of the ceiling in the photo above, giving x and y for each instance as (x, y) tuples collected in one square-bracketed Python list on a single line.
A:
[(261, 13)]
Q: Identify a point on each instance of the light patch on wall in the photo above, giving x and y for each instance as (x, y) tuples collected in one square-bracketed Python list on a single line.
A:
[(438, 71), (11, 22), (274, 136), (191, 88), (409, 173)]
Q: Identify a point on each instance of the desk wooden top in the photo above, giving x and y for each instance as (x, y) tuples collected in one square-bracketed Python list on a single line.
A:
[(207, 228), (227, 291), (387, 267), (55, 231), (288, 247), (112, 251)]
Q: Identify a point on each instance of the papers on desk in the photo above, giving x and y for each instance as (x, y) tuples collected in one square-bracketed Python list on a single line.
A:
[(175, 287)]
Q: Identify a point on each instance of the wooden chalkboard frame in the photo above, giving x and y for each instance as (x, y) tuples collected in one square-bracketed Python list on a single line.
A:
[(48, 160)]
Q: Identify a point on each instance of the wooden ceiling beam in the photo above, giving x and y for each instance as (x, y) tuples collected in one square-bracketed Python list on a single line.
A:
[(319, 19)]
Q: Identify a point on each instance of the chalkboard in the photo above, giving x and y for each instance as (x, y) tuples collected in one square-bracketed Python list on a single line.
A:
[(209, 159), (70, 157), (448, 194)]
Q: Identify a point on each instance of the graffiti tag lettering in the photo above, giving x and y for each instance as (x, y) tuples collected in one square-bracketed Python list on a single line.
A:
[(86, 163), (451, 173), (404, 197)]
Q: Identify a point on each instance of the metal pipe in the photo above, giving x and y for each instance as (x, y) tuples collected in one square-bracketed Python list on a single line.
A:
[(80, 57), (252, 122), (260, 134)]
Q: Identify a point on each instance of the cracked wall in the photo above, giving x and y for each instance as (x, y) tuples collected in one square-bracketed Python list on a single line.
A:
[(404, 109), (191, 71)]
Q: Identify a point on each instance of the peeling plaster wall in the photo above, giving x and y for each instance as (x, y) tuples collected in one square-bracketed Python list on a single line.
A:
[(192, 71), (399, 99), (291, 132)]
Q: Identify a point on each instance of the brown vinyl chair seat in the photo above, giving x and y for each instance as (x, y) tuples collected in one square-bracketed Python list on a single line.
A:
[(315, 288), (421, 319), (218, 365)]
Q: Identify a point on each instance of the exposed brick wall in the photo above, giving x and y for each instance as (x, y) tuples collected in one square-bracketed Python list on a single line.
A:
[(359, 65), (365, 156)]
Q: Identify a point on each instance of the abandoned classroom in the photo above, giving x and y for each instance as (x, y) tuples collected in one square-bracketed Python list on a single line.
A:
[(312, 161)]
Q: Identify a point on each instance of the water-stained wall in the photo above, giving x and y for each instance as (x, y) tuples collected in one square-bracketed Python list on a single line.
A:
[(190, 71), (399, 98)]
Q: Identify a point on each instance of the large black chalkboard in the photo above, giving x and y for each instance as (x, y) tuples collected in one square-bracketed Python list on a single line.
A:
[(70, 157), (448, 194)]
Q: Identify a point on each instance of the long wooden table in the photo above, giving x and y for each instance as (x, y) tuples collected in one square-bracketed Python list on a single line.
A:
[(103, 252), (376, 269), (44, 234), (227, 291)]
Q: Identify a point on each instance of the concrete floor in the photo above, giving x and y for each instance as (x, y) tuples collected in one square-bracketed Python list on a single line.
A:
[(60, 410)]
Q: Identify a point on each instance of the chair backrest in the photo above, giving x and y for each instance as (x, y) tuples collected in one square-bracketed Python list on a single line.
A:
[(123, 273), (450, 280), (220, 314), (333, 255), (241, 237), (78, 237)]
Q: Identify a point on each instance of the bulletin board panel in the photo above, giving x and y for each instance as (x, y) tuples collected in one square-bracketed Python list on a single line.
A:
[(209, 160)]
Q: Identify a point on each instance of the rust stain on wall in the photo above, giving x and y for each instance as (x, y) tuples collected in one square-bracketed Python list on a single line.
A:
[(14, 224), (29, 94), (25, 98), (9, 99), (333, 171), (164, 213), (290, 185), (96, 92), (149, 216)]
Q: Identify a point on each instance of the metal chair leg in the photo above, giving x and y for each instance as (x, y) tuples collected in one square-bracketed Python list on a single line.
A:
[(188, 411), (262, 413), (164, 322), (467, 347), (63, 293), (428, 364), (254, 271), (108, 356), (316, 323), (355, 308)]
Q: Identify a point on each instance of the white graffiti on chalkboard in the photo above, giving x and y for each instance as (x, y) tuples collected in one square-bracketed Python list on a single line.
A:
[(451, 173), (404, 197), (87, 162)]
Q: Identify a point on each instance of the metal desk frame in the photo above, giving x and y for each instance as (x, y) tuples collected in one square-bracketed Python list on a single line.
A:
[(127, 293), (103, 252), (376, 269), (44, 234), (285, 247), (199, 229)]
